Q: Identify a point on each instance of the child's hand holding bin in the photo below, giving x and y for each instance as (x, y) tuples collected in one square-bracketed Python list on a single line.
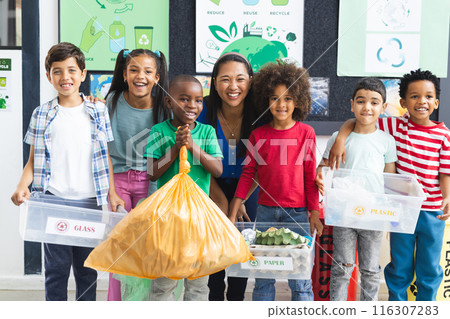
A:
[(315, 223), (20, 195), (319, 182)]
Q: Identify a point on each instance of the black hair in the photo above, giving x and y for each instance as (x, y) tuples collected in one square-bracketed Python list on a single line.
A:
[(62, 51), (118, 84), (214, 102), (370, 84), (296, 80), (184, 78), (418, 75)]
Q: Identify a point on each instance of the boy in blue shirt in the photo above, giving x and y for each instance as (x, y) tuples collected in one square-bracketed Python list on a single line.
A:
[(204, 155), (69, 158)]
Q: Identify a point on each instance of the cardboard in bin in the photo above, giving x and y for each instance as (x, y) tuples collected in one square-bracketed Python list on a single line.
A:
[(54, 220), (366, 200), (282, 262)]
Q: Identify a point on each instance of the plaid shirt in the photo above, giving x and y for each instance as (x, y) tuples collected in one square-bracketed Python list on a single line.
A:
[(38, 135)]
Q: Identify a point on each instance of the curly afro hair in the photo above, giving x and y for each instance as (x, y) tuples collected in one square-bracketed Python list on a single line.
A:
[(296, 80), (418, 75)]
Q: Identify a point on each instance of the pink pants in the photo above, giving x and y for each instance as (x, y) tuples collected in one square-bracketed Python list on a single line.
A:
[(131, 186)]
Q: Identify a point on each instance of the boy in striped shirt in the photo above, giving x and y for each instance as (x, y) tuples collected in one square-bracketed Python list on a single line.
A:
[(423, 149)]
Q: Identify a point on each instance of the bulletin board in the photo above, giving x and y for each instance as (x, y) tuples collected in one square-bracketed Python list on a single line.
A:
[(320, 34)]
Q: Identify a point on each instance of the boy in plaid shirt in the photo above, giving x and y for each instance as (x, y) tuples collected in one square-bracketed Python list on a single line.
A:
[(69, 158)]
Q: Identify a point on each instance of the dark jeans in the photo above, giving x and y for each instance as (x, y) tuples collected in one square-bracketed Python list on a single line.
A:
[(59, 258), (236, 285)]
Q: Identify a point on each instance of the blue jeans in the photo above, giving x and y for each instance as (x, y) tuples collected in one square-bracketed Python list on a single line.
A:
[(427, 241), (301, 290), (369, 244), (58, 259)]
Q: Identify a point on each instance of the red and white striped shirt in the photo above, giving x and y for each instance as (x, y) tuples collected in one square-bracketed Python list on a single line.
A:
[(423, 151)]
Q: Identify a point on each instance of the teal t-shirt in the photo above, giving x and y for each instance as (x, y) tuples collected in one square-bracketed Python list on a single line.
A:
[(131, 128), (162, 138)]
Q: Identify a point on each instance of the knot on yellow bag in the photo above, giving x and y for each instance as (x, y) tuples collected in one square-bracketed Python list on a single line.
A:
[(185, 167)]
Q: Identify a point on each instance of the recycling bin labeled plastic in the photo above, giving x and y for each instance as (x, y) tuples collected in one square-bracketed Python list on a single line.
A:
[(365, 200)]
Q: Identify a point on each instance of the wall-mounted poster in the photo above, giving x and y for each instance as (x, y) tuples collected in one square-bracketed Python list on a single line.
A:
[(6, 83), (320, 89), (206, 83), (100, 84), (393, 98), (392, 37), (102, 28), (262, 30)]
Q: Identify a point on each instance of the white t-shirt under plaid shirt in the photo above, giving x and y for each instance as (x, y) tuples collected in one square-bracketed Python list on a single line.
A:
[(39, 133)]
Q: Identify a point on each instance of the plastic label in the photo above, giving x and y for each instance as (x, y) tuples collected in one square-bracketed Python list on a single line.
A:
[(269, 263), (369, 213), (77, 228)]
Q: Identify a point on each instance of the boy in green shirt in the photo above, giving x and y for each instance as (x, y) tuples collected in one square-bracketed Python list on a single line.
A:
[(205, 157)]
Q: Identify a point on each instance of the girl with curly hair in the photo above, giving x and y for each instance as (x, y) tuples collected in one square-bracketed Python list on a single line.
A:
[(282, 156)]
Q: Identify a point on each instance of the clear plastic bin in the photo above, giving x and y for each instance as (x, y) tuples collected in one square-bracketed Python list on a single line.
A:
[(365, 200), (282, 262), (50, 219)]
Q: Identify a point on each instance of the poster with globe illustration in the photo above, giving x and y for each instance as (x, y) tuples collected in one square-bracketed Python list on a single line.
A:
[(261, 30), (392, 37), (102, 28)]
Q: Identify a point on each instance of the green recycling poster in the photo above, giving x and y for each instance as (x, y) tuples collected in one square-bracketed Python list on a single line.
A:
[(101, 28), (261, 30)]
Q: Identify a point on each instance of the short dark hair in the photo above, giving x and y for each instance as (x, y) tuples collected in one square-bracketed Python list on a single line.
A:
[(370, 84), (418, 75), (296, 80), (63, 51), (184, 78)]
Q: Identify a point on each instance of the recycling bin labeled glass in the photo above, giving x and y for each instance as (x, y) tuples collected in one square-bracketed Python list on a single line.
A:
[(51, 219), (282, 261), (373, 201)]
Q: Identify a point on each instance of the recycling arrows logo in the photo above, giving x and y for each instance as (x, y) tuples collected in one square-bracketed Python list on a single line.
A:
[(391, 53), (143, 40)]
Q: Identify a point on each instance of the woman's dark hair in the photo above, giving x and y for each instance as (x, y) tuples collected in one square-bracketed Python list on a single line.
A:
[(214, 102), (296, 80), (118, 85)]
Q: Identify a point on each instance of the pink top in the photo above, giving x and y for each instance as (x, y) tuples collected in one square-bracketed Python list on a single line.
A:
[(285, 163)]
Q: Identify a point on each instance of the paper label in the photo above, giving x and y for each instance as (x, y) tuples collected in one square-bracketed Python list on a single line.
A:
[(77, 228), (269, 263)]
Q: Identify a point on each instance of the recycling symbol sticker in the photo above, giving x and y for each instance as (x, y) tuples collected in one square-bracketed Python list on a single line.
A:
[(143, 40), (391, 53)]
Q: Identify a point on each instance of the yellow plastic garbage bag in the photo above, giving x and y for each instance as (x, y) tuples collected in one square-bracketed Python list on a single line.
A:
[(178, 232)]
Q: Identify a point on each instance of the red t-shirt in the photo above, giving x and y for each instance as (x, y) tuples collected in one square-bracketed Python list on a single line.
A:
[(285, 164)]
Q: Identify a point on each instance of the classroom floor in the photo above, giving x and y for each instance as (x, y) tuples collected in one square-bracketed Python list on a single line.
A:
[(283, 293)]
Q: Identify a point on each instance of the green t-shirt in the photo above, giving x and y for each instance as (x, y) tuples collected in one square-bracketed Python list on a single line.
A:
[(162, 138)]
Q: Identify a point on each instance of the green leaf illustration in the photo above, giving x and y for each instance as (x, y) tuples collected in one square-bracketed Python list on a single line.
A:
[(253, 24), (215, 30), (233, 29)]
